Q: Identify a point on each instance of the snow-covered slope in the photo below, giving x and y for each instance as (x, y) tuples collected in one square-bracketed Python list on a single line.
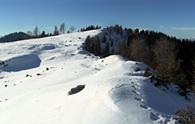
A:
[(36, 76)]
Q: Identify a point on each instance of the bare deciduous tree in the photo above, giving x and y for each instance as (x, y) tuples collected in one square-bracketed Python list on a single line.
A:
[(71, 29), (56, 32), (36, 31), (62, 28), (140, 51), (165, 59)]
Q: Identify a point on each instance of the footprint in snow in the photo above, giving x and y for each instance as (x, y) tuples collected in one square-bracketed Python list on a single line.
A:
[(67, 45), (134, 87), (97, 69), (144, 106), (72, 54), (138, 99), (85, 66), (136, 92), (153, 116)]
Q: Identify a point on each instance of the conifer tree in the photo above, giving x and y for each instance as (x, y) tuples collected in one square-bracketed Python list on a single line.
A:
[(43, 34)]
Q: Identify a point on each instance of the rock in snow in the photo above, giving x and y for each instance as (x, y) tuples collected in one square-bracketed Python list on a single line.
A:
[(76, 89), (116, 91)]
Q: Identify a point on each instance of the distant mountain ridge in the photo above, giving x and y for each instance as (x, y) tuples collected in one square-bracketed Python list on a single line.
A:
[(14, 37)]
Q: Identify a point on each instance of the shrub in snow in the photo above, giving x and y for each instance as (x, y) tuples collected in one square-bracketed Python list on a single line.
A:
[(147, 73), (92, 44), (186, 115)]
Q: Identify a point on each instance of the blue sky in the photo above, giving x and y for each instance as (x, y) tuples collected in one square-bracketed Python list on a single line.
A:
[(174, 17)]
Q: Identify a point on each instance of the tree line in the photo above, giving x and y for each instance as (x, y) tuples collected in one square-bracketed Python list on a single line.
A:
[(61, 30), (172, 59), (36, 33), (91, 27)]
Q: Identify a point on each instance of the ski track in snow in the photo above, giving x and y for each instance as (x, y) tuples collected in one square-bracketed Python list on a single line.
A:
[(38, 74)]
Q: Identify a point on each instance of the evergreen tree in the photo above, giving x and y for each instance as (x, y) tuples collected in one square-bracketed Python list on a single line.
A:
[(193, 74), (43, 34)]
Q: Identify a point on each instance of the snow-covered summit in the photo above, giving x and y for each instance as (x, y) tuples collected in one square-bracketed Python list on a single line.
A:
[(36, 76)]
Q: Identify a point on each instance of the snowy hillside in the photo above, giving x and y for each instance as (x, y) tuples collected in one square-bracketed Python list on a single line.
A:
[(37, 75)]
